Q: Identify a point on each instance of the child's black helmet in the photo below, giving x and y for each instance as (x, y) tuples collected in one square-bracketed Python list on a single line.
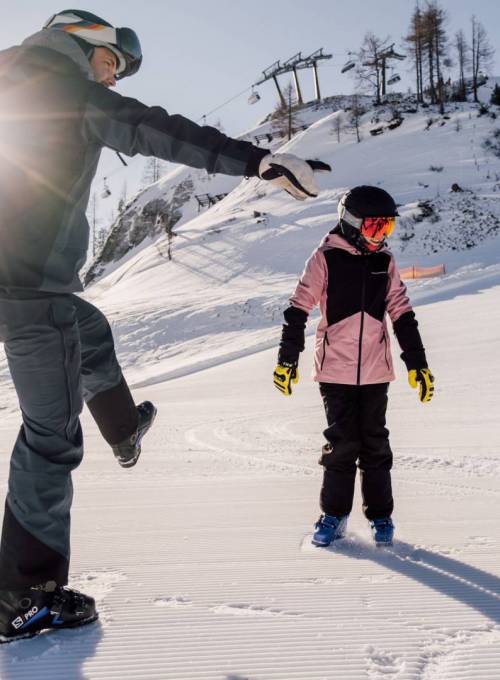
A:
[(358, 203), (365, 201)]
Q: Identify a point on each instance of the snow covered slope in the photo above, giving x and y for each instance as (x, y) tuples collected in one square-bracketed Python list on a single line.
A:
[(173, 197), (200, 560), (235, 265)]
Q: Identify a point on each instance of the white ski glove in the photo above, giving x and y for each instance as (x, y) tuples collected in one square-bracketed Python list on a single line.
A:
[(292, 174)]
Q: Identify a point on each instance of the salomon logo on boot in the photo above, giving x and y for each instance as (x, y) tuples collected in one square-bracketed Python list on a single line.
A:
[(24, 613), (127, 452), (328, 529), (382, 530)]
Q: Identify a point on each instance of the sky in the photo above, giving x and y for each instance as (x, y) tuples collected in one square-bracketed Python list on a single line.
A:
[(198, 55)]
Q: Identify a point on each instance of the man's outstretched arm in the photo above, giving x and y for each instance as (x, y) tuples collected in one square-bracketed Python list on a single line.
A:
[(127, 125)]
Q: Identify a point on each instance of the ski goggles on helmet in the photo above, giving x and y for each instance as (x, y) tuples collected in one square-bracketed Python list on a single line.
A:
[(128, 44), (377, 228), (123, 42)]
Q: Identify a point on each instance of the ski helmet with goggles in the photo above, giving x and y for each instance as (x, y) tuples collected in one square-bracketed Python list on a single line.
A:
[(367, 217), (123, 42)]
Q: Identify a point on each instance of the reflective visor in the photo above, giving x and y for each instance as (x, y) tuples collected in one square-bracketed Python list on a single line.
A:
[(377, 227), (130, 47)]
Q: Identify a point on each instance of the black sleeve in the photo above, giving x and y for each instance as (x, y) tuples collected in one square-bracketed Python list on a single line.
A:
[(125, 124), (293, 335), (406, 331)]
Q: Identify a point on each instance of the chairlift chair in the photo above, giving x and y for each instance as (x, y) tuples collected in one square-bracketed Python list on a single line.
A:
[(254, 98), (348, 66), (394, 79), (482, 78), (106, 190)]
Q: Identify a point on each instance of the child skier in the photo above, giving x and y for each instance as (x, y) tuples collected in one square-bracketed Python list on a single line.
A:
[(355, 281)]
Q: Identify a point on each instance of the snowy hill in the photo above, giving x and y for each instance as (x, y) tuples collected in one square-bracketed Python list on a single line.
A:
[(235, 265), (171, 201), (173, 197)]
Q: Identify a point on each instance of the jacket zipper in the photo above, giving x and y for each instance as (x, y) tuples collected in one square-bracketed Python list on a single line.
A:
[(325, 342), (362, 322), (384, 340)]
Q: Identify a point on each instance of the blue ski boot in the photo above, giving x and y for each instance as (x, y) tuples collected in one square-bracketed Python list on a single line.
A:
[(24, 613), (328, 529), (382, 530)]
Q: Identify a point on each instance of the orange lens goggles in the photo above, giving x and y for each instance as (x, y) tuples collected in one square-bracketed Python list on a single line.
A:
[(378, 227)]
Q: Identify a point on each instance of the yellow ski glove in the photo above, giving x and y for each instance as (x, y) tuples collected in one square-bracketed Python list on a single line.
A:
[(284, 374), (425, 380)]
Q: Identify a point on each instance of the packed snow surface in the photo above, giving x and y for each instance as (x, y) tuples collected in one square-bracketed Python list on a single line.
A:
[(200, 556)]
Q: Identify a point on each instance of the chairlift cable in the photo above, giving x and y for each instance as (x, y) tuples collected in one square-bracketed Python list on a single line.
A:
[(225, 103)]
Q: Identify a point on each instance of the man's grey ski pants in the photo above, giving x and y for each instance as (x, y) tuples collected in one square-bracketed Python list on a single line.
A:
[(60, 352)]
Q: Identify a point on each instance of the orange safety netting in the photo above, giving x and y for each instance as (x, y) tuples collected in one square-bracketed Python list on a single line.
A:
[(422, 272)]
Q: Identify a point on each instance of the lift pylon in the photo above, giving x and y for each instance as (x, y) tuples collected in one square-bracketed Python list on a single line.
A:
[(292, 65)]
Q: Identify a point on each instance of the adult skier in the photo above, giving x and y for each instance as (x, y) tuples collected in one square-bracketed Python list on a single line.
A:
[(57, 112), (355, 281)]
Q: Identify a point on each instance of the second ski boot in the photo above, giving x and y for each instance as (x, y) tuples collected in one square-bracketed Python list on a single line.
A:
[(328, 529), (382, 530), (127, 452), (24, 613)]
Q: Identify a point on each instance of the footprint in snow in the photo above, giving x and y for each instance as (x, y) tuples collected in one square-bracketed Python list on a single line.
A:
[(98, 584), (382, 664), (251, 610), (173, 602)]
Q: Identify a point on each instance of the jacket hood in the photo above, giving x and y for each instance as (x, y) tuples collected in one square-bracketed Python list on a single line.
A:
[(58, 41)]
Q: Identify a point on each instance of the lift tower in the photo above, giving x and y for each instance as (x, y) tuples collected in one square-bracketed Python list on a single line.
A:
[(292, 65), (381, 62)]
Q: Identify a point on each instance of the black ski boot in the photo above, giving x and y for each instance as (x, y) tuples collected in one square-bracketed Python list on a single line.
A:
[(24, 613), (127, 452)]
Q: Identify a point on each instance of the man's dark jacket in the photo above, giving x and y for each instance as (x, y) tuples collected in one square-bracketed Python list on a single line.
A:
[(54, 121)]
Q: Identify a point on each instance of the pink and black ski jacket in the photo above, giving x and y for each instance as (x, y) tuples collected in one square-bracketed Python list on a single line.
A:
[(354, 291)]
